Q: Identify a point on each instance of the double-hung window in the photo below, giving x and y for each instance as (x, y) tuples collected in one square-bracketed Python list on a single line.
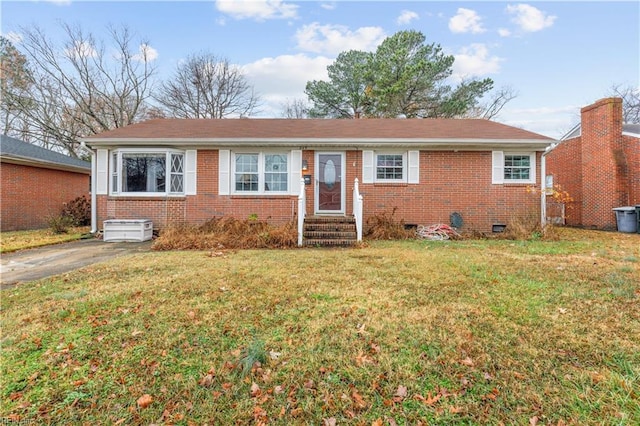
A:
[(141, 172), (514, 167), (260, 172), (390, 167)]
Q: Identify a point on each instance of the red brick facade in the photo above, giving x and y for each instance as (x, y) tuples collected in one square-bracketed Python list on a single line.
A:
[(600, 169), (31, 195), (449, 182)]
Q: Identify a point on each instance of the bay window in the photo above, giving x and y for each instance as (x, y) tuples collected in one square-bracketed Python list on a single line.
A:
[(141, 172)]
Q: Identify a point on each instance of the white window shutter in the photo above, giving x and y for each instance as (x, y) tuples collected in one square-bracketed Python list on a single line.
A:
[(296, 172), (532, 173), (102, 171), (190, 178), (497, 167), (223, 171), (414, 166), (367, 166)]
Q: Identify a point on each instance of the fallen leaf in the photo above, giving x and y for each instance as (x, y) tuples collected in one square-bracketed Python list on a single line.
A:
[(467, 361), (331, 421), (274, 355), (207, 380), (377, 422), (136, 333), (401, 392), (278, 390), (145, 400), (455, 410), (358, 400), (562, 310), (533, 421), (255, 390)]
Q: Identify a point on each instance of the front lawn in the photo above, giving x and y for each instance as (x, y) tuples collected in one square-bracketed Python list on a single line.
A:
[(405, 332), (21, 240)]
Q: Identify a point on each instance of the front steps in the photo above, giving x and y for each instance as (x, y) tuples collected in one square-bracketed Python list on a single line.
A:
[(329, 231)]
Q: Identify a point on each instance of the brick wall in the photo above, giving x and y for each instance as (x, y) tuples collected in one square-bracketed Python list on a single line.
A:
[(564, 163), (449, 182), (454, 182), (600, 168), (30, 195), (632, 155)]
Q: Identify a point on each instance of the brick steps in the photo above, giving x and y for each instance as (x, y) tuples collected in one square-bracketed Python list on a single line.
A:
[(329, 231)]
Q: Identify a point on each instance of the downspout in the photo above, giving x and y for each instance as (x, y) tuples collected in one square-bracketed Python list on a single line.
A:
[(94, 198), (543, 186)]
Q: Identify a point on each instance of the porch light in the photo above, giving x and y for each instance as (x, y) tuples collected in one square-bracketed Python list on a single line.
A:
[(305, 165)]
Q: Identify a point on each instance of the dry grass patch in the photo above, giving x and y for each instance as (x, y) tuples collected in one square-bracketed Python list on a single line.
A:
[(21, 240), (398, 332), (227, 233)]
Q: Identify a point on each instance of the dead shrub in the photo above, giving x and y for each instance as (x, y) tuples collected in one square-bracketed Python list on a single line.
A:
[(227, 233), (384, 226)]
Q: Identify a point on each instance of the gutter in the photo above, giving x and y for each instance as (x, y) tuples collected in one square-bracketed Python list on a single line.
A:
[(94, 198)]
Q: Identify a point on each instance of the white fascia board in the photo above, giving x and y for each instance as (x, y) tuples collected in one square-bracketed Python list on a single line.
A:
[(310, 143), (633, 135)]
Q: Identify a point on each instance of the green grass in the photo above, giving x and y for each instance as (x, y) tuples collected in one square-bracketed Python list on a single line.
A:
[(460, 332), (21, 240)]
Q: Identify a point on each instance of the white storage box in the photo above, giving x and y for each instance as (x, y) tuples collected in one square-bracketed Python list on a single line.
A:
[(127, 230)]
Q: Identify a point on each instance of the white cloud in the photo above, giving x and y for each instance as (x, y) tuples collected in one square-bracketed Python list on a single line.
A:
[(529, 18), (554, 122), (406, 16), (474, 60), (466, 21), (283, 78), (80, 49), (147, 54), (260, 10), (13, 37), (328, 6), (504, 32), (333, 39), (59, 2)]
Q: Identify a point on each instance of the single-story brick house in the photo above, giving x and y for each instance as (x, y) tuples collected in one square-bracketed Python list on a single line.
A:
[(180, 170), (36, 182), (598, 164)]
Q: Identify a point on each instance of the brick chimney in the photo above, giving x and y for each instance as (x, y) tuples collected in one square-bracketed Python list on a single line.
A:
[(604, 166)]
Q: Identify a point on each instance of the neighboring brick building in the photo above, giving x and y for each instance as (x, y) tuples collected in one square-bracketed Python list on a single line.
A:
[(35, 182), (598, 164), (173, 170)]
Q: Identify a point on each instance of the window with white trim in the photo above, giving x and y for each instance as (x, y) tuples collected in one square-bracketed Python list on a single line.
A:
[(260, 172), (514, 167), (517, 167), (390, 167), (147, 172)]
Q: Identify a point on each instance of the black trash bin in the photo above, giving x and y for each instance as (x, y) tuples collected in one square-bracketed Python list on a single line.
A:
[(638, 217), (626, 219)]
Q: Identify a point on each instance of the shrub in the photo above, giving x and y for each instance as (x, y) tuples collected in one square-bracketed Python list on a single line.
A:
[(384, 226), (60, 224), (79, 210)]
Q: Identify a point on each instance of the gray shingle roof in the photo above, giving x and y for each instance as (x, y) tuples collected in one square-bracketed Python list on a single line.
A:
[(13, 148)]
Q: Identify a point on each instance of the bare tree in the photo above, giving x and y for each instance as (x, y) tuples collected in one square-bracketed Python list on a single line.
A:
[(81, 88), (295, 108), (14, 81), (205, 86), (630, 102), (491, 108)]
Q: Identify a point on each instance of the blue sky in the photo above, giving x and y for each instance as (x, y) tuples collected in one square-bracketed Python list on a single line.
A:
[(558, 56)]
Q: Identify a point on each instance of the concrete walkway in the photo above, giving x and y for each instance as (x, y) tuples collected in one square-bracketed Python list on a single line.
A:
[(43, 262)]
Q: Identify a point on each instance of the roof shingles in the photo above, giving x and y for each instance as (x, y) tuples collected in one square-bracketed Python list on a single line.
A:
[(271, 128)]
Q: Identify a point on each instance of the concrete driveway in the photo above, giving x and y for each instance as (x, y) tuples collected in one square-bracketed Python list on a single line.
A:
[(43, 262)]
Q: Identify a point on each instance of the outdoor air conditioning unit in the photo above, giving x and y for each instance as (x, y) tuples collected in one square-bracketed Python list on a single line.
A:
[(116, 230)]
